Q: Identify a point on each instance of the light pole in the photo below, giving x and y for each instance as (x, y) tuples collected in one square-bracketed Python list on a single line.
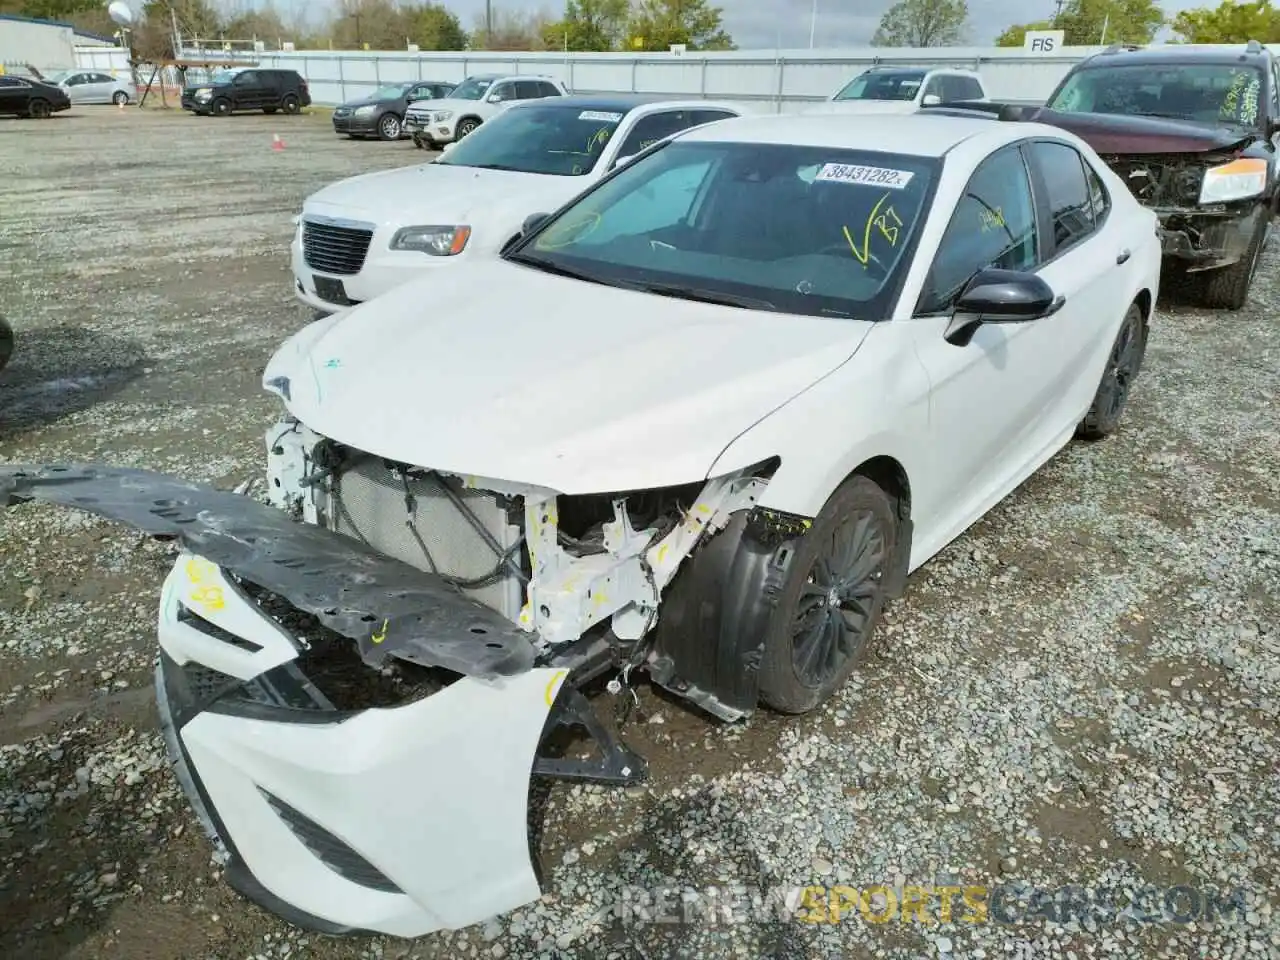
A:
[(813, 23)]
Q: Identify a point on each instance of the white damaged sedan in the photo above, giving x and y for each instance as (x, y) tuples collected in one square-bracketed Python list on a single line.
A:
[(701, 423)]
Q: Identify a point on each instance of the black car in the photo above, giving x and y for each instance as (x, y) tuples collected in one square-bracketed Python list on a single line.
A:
[(1194, 132), (29, 97), (6, 342), (382, 113), (252, 89)]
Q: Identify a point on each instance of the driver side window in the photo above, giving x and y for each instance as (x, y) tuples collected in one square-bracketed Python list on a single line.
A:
[(993, 225)]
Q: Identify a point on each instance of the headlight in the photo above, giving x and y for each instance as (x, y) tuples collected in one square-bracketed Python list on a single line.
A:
[(442, 116), (366, 111), (204, 93), (1234, 181), (437, 241)]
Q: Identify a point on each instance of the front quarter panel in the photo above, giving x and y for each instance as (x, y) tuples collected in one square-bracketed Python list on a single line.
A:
[(876, 404)]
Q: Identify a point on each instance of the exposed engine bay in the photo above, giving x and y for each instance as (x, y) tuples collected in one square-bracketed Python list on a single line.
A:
[(1205, 236)]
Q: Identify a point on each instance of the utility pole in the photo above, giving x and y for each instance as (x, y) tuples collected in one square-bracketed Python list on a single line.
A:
[(488, 23)]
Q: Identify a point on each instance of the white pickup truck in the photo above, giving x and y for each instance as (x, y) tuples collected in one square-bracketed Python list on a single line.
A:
[(891, 89)]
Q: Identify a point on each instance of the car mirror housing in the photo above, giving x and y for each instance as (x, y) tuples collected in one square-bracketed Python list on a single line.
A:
[(1000, 296), (533, 222), (930, 100)]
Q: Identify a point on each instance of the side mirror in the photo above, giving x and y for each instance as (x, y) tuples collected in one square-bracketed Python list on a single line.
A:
[(494, 98), (533, 222), (930, 100), (1000, 296)]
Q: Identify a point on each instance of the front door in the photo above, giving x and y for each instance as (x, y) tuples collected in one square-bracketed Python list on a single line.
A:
[(988, 397)]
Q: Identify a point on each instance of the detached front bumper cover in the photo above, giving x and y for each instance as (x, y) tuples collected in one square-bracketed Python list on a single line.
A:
[(401, 819), (388, 607)]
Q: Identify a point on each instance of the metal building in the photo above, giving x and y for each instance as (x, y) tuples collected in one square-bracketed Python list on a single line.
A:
[(46, 45)]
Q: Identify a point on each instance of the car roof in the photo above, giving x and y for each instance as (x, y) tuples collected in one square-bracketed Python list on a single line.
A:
[(919, 135), (1174, 54)]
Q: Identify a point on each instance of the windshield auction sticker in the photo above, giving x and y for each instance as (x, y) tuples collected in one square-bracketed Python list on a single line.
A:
[(871, 176), (599, 116)]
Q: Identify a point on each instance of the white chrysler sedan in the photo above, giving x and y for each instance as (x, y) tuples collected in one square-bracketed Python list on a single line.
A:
[(701, 424), (358, 238)]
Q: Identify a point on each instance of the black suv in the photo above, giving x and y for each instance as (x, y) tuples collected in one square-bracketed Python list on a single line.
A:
[(1194, 132), (252, 89), (29, 97)]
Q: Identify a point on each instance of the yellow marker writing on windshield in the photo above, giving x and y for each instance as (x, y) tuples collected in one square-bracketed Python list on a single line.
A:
[(379, 637), (863, 255)]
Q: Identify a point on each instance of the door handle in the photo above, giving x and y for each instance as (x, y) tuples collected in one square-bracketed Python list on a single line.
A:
[(1123, 257)]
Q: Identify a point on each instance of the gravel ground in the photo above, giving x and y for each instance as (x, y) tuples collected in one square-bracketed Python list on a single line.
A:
[(1079, 691)]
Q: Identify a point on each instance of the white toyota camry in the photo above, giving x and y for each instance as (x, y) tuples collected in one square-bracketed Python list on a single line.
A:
[(701, 423), (358, 238)]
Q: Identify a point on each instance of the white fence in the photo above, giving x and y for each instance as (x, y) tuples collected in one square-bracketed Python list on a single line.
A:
[(107, 59), (777, 80)]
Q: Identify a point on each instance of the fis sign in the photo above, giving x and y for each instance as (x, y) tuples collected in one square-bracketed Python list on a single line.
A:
[(1044, 41)]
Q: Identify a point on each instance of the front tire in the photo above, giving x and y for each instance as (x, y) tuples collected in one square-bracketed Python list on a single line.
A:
[(119, 98), (465, 127), (1123, 364), (1228, 288), (40, 109), (389, 127), (831, 598), (220, 108)]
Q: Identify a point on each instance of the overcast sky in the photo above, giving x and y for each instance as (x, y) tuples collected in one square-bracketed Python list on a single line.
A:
[(762, 24)]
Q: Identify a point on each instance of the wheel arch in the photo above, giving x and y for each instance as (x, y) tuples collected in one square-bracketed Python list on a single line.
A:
[(1146, 303)]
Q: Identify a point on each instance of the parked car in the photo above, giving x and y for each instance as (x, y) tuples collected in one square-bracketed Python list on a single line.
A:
[(6, 342), (890, 89), (381, 114), (28, 97), (703, 420), (360, 237), (472, 102), (249, 89), (92, 87), (1194, 133)]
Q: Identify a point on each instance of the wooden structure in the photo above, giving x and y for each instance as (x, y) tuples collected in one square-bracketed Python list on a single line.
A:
[(181, 65)]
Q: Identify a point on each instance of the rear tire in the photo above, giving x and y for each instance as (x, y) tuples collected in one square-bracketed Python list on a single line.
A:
[(290, 104), (1228, 288), (830, 599), (39, 109), (1123, 365)]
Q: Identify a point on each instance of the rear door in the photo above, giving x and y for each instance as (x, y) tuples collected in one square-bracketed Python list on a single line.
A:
[(101, 88), (1088, 259)]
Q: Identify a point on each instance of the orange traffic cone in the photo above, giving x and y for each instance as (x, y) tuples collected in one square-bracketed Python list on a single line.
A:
[(276, 142)]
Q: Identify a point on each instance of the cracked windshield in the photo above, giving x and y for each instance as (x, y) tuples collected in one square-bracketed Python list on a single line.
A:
[(1203, 93)]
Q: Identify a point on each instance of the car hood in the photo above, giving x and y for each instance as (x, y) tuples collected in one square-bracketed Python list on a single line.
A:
[(518, 375), (447, 103), (864, 107), (1110, 133), (444, 193), (367, 102)]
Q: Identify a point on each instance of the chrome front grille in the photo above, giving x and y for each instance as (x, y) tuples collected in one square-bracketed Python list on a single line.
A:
[(336, 249), (418, 522)]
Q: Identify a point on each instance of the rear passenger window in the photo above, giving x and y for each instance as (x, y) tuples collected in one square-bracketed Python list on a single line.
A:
[(994, 225), (548, 89), (967, 88), (528, 90), (1066, 192)]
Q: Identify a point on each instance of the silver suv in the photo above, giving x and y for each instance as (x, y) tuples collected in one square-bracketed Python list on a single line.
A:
[(472, 102)]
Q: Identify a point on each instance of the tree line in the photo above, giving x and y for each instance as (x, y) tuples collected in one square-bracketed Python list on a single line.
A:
[(945, 23), (584, 25)]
